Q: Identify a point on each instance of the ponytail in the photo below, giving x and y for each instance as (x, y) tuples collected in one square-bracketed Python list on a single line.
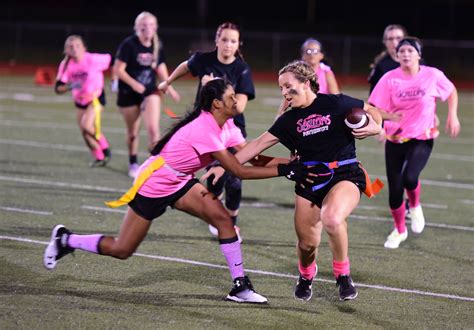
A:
[(213, 90)]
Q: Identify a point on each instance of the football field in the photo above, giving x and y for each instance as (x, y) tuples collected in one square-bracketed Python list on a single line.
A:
[(178, 278)]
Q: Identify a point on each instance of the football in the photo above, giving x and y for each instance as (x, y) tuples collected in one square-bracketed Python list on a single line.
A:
[(356, 118)]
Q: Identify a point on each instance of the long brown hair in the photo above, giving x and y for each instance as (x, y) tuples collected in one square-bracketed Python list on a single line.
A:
[(230, 26)]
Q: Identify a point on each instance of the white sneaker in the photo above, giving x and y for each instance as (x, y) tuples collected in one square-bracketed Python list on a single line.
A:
[(243, 292), (133, 170), (214, 232), (395, 238), (417, 219), (57, 247)]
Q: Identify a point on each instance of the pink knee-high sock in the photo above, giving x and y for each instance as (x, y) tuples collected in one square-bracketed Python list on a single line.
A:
[(98, 154), (233, 255), (341, 268), (89, 243), (399, 218), (414, 195), (104, 144), (308, 272)]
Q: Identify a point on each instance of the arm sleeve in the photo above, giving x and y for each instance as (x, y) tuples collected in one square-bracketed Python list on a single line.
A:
[(245, 83), (124, 52), (102, 61), (444, 86), (380, 96), (194, 64), (236, 136), (348, 102)]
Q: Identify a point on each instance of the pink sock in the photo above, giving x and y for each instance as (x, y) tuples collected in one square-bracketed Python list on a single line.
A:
[(98, 154), (399, 218), (414, 195), (308, 272), (341, 267), (104, 144), (233, 256), (89, 243)]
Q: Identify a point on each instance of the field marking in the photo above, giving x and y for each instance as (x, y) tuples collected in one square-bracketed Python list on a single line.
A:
[(118, 191), (355, 216), (14, 209), (268, 273)]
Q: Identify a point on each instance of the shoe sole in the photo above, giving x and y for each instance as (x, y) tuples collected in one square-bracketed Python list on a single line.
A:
[(242, 301), (51, 251), (352, 297), (303, 299)]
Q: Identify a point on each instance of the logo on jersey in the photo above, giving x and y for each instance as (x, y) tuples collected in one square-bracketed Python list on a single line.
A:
[(79, 76), (410, 93), (313, 124), (145, 59)]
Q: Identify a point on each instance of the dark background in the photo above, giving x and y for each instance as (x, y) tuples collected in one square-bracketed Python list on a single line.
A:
[(434, 19)]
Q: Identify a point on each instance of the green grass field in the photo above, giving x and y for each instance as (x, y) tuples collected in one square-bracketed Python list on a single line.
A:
[(178, 278)]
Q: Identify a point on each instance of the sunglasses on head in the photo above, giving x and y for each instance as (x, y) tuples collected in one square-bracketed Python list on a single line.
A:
[(312, 51)]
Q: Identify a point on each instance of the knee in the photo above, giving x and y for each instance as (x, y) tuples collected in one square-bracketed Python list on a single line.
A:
[(410, 182), (234, 183), (132, 136), (122, 253), (308, 246), (331, 221)]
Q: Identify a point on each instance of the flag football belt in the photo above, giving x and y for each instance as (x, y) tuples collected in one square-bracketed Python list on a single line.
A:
[(371, 188)]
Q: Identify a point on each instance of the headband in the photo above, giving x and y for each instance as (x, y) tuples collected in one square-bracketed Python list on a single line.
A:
[(411, 42)]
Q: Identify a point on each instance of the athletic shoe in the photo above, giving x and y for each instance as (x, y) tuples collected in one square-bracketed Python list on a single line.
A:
[(303, 289), (347, 289), (214, 232), (107, 154), (395, 238), (133, 170), (407, 209), (57, 247), (98, 163), (243, 292), (417, 219)]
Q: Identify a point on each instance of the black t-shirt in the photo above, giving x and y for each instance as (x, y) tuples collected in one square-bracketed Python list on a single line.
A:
[(237, 72), (318, 132), (139, 59), (383, 66)]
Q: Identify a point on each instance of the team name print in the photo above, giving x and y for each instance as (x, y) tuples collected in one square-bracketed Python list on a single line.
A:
[(411, 93), (313, 124), (145, 59)]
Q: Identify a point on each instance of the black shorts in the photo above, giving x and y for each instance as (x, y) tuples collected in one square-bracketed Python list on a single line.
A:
[(84, 106), (151, 208), (352, 173), (128, 97)]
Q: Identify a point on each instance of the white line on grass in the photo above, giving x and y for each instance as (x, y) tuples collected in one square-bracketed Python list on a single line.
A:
[(262, 272), (14, 209), (354, 216)]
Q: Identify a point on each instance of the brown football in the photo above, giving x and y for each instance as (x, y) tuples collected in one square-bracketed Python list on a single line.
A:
[(356, 118)]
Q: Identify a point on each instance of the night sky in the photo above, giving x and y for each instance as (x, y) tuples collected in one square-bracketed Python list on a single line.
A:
[(434, 19)]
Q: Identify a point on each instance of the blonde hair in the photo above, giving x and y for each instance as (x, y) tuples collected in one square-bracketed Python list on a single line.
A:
[(156, 40), (302, 72), (70, 39)]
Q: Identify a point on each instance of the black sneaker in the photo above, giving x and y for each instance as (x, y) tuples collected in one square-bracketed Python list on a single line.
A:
[(407, 208), (107, 155), (98, 163), (303, 290), (243, 292), (57, 247), (347, 290)]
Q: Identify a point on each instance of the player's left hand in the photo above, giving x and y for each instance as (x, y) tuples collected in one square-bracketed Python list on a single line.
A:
[(453, 126)]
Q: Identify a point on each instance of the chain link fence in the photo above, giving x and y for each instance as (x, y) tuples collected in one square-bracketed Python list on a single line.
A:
[(32, 43)]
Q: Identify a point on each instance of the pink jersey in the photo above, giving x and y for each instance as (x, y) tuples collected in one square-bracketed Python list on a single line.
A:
[(322, 81), (88, 73), (188, 151), (414, 97)]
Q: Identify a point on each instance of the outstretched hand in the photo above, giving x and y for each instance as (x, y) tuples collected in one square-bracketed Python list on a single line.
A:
[(216, 171), (298, 172), (371, 129)]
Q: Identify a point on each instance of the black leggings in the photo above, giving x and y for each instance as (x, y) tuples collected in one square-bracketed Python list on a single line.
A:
[(404, 163), (233, 190)]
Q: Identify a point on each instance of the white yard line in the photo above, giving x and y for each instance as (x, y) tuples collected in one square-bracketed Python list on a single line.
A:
[(274, 274), (14, 209)]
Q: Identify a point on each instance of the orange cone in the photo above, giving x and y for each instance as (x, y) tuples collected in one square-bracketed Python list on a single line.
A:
[(44, 76)]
